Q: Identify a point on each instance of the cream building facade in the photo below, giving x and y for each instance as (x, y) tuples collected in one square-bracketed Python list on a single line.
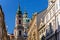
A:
[(41, 24), (51, 25)]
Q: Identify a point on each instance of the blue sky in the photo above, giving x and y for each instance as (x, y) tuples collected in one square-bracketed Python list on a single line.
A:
[(10, 8)]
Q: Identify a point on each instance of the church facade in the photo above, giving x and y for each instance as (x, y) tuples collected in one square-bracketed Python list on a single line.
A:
[(21, 25)]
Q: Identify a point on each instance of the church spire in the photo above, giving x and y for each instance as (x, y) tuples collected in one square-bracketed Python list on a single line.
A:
[(0, 8), (18, 5), (19, 11)]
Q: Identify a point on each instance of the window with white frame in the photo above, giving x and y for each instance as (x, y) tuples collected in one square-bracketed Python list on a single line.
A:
[(47, 30), (46, 18), (53, 23), (50, 26), (53, 9), (58, 21), (49, 1), (59, 4), (49, 16), (56, 6), (51, 13)]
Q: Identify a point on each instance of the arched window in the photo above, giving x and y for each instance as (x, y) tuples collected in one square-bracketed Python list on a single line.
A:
[(19, 16), (19, 21), (20, 33), (43, 37)]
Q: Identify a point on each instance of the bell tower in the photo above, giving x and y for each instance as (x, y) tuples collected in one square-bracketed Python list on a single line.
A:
[(19, 29)]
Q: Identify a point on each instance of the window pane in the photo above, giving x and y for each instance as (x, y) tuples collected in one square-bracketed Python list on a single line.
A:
[(19, 21), (19, 32), (19, 16)]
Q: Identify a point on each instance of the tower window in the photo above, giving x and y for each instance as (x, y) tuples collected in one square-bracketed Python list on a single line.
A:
[(19, 21), (19, 16), (19, 32)]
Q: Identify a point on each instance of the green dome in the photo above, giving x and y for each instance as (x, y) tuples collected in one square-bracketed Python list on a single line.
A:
[(26, 20)]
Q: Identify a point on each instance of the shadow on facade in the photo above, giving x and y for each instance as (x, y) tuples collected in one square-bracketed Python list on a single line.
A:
[(43, 37)]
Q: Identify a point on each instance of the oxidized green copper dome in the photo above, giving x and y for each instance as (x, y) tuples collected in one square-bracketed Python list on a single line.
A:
[(25, 17), (26, 20)]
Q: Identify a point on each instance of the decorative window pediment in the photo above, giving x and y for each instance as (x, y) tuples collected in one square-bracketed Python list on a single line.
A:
[(53, 1), (41, 23)]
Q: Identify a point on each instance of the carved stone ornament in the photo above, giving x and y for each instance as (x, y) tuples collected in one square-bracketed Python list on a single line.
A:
[(53, 1)]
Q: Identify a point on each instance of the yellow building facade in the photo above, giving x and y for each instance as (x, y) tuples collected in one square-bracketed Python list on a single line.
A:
[(32, 31), (50, 26), (3, 31)]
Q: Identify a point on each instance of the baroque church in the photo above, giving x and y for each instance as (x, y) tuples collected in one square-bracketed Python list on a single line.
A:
[(21, 25)]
